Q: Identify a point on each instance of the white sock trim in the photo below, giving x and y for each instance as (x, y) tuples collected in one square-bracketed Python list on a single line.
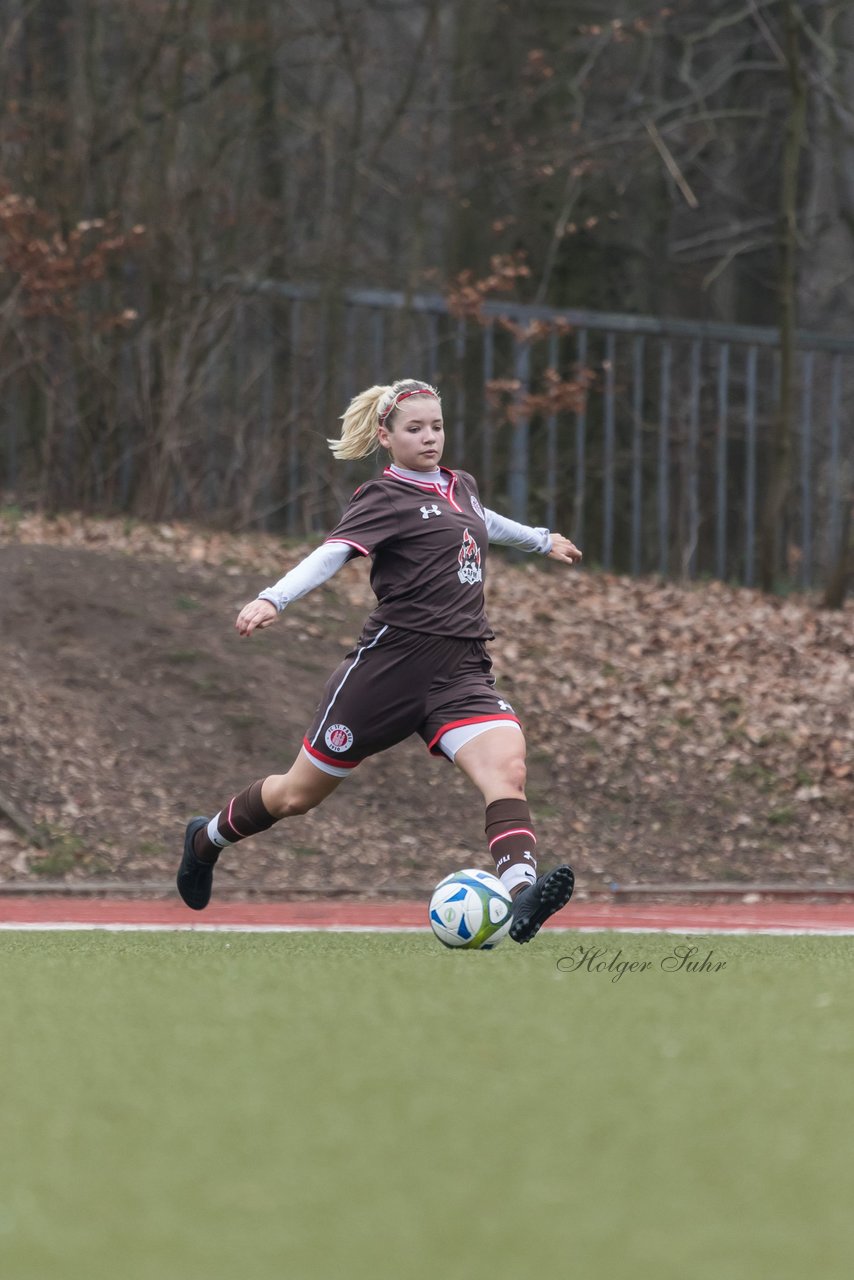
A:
[(519, 873), (214, 834)]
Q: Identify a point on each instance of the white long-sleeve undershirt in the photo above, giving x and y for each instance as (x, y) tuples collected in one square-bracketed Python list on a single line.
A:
[(324, 562), (509, 533), (317, 568)]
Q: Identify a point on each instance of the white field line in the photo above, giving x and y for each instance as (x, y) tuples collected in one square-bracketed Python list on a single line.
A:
[(794, 931)]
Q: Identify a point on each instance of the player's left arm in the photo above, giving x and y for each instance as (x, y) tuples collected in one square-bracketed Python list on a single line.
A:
[(510, 533), (564, 550)]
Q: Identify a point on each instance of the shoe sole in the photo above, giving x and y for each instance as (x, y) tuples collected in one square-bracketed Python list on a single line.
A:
[(190, 865), (555, 893)]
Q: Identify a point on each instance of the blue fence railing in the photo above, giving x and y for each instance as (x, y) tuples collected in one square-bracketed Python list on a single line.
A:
[(648, 441)]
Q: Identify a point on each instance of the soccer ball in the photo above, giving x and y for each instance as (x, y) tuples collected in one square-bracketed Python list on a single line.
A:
[(470, 909)]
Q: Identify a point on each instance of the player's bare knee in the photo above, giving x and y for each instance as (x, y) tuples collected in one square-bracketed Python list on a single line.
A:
[(299, 798), (282, 799), (302, 802), (515, 775), (291, 803)]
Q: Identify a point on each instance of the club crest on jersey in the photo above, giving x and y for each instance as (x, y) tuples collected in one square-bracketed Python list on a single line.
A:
[(338, 737), (478, 509), (469, 560)]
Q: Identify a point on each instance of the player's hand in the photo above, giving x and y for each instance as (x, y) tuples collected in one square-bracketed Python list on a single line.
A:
[(256, 615), (563, 549)]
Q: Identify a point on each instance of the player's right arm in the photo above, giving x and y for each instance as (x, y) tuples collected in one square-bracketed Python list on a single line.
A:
[(313, 571), (369, 521), (256, 615)]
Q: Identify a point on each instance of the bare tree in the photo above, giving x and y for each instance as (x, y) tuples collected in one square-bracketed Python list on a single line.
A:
[(633, 156)]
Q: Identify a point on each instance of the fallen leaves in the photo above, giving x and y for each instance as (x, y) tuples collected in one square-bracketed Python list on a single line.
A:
[(675, 732)]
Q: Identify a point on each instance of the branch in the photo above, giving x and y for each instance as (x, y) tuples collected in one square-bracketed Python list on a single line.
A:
[(671, 165), (415, 69), (570, 194), (16, 26), (746, 246), (189, 100), (770, 39)]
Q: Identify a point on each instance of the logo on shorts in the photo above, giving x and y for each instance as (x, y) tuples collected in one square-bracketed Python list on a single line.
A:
[(338, 737), (478, 509), (469, 560)]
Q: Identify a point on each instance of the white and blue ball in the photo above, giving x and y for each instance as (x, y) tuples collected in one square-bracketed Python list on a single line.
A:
[(470, 909)]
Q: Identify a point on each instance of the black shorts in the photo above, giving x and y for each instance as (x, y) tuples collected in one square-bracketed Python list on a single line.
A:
[(395, 683)]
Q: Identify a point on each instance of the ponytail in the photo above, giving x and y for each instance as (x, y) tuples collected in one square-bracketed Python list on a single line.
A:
[(367, 411), (360, 421)]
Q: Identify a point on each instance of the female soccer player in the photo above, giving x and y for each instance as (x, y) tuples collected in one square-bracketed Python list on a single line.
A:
[(420, 664)]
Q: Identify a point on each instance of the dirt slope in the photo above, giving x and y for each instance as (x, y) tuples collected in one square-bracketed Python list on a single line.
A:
[(691, 734)]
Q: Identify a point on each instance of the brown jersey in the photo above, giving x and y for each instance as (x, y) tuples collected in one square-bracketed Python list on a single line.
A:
[(428, 549)]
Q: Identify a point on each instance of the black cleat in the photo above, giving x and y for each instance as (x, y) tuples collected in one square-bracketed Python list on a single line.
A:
[(533, 906), (195, 878)]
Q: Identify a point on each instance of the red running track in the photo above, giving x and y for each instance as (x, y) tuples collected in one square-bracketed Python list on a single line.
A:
[(106, 913)]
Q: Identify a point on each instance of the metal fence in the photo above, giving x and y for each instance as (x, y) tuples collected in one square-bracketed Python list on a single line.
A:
[(661, 466)]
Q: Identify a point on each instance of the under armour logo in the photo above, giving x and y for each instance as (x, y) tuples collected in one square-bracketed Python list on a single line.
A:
[(528, 854), (427, 512), (504, 706)]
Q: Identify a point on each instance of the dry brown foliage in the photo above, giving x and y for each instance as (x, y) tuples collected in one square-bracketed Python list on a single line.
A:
[(693, 733), (47, 268)]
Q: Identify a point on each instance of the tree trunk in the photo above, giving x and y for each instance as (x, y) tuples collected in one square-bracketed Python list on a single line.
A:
[(825, 295), (842, 571), (782, 444)]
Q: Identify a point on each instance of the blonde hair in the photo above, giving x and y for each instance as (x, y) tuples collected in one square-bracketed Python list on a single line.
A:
[(369, 410)]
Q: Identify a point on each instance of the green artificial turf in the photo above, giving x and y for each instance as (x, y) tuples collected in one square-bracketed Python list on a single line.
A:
[(237, 1107)]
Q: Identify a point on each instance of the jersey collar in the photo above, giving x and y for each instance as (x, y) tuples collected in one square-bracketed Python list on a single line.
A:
[(429, 486)]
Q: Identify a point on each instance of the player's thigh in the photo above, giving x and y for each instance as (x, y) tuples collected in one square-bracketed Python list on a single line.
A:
[(495, 761)]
